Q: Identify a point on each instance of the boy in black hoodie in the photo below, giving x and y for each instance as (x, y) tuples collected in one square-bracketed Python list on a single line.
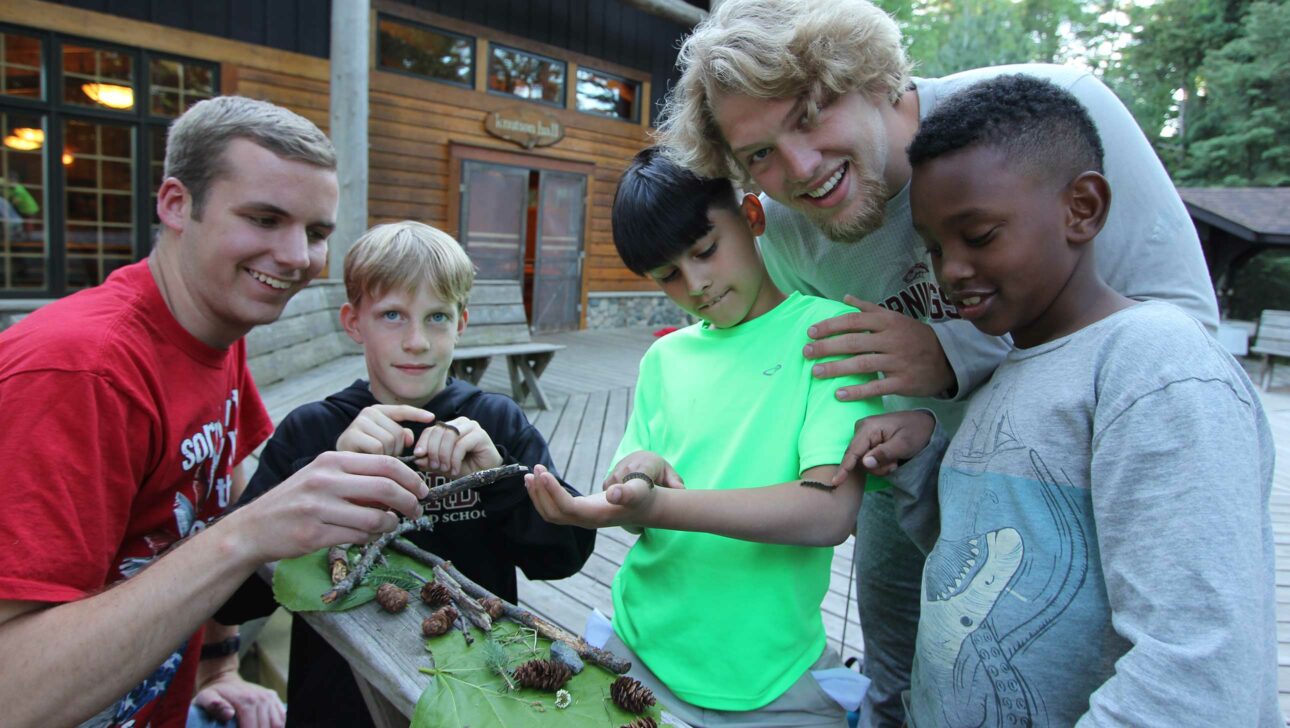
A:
[(407, 285)]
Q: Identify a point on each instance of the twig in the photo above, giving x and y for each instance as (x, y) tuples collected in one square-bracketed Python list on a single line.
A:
[(594, 655), (474, 480), (467, 606), (338, 557), (370, 552), (465, 629)]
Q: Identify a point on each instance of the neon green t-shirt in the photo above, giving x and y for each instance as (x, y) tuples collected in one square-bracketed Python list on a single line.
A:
[(729, 624)]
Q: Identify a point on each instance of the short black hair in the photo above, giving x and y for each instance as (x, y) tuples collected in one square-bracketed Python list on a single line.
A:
[(1038, 125), (661, 209)]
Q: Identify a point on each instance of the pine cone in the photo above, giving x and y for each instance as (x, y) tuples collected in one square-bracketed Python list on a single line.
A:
[(642, 722), (630, 695), (439, 622), (543, 675), (392, 598), (435, 594), (493, 606)]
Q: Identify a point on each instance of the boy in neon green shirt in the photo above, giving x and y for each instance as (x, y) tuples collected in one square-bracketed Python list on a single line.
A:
[(728, 631)]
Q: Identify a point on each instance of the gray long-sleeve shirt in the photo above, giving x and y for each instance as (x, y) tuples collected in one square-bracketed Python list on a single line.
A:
[(1105, 552)]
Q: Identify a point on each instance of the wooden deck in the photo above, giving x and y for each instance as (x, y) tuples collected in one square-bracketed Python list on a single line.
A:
[(590, 388)]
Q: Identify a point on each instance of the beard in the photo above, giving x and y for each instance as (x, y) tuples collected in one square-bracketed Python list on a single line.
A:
[(868, 215)]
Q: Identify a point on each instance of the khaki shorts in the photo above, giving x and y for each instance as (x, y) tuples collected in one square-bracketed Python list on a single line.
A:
[(804, 704)]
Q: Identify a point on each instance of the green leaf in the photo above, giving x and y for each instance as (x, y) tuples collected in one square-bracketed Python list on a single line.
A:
[(299, 583), (465, 692)]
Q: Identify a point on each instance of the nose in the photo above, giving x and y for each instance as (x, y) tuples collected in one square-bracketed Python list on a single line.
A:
[(292, 251), (415, 339), (697, 279), (800, 160), (952, 268)]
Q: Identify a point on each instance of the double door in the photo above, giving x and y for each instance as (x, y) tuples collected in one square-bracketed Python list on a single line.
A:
[(526, 225)]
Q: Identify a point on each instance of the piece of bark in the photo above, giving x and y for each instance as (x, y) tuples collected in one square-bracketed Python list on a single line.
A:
[(338, 557), (474, 480), (547, 629), (370, 553)]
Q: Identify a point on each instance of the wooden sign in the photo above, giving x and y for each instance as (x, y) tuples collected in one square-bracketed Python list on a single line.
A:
[(526, 127)]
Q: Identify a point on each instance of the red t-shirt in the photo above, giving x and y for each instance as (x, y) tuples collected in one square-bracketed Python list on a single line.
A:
[(120, 432)]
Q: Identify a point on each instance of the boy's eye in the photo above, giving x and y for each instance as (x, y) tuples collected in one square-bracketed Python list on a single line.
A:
[(316, 235), (707, 252), (391, 316), (667, 277), (979, 240), (439, 317), (758, 155), (262, 220)]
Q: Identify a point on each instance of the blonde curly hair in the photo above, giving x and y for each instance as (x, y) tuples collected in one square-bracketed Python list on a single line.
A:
[(772, 49)]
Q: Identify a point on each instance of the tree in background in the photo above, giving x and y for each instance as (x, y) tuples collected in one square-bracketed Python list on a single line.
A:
[(1241, 135)]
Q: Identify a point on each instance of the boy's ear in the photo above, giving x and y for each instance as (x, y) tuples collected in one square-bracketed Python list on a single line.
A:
[(461, 321), (754, 214), (1088, 202), (349, 321)]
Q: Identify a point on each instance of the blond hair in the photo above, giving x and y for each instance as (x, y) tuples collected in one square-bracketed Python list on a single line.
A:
[(404, 255), (771, 49), (197, 140)]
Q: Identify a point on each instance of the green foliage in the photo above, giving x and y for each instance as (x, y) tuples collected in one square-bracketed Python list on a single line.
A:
[(1263, 282), (392, 575), (299, 583), (467, 691), (1247, 109)]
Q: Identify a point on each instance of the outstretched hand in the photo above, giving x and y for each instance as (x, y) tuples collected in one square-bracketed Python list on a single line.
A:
[(621, 504), (882, 441), (876, 339)]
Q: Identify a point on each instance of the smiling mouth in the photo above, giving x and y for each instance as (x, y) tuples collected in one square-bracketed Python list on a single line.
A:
[(269, 280), (414, 368), (829, 183), (712, 301)]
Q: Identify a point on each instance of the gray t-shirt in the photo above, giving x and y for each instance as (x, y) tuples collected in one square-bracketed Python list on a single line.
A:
[(1147, 250), (1105, 554)]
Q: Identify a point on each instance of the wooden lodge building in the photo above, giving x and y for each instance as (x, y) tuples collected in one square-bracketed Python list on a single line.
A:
[(505, 123)]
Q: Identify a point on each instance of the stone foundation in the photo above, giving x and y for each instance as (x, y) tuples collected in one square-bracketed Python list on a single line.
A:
[(615, 310)]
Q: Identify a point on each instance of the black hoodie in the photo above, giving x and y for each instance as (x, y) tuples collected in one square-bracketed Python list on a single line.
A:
[(486, 534)]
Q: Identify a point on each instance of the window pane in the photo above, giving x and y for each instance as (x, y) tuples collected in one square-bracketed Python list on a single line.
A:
[(601, 93), (99, 200), (174, 86), (23, 254), (526, 75), (20, 64), (425, 52), (97, 77), (156, 170)]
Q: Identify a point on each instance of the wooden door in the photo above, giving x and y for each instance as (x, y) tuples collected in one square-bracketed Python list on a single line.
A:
[(557, 270), (494, 203)]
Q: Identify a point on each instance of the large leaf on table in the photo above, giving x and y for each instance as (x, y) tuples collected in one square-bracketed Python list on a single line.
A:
[(464, 692), (299, 583)]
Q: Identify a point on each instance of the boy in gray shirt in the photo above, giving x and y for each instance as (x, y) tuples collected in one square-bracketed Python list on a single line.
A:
[(1101, 545)]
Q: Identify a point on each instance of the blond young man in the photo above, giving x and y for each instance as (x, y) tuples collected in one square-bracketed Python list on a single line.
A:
[(128, 408), (408, 284), (812, 101)]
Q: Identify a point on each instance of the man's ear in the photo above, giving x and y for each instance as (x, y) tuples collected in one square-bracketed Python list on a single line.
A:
[(349, 321), (174, 204), (754, 214), (1088, 199), (461, 321)]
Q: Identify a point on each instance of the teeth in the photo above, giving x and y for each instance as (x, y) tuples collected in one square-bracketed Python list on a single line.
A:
[(971, 300), (277, 283), (828, 185)]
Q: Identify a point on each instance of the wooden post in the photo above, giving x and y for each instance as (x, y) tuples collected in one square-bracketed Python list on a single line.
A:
[(351, 30)]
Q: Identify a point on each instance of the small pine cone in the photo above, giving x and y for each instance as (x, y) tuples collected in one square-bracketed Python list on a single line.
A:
[(543, 675), (392, 598), (630, 695), (439, 622), (493, 606), (642, 722), (435, 594)]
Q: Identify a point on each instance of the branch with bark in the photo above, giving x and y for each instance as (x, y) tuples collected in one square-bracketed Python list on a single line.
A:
[(547, 629)]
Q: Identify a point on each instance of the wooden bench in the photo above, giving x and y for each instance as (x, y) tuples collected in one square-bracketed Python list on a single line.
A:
[(499, 327), (1272, 341)]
